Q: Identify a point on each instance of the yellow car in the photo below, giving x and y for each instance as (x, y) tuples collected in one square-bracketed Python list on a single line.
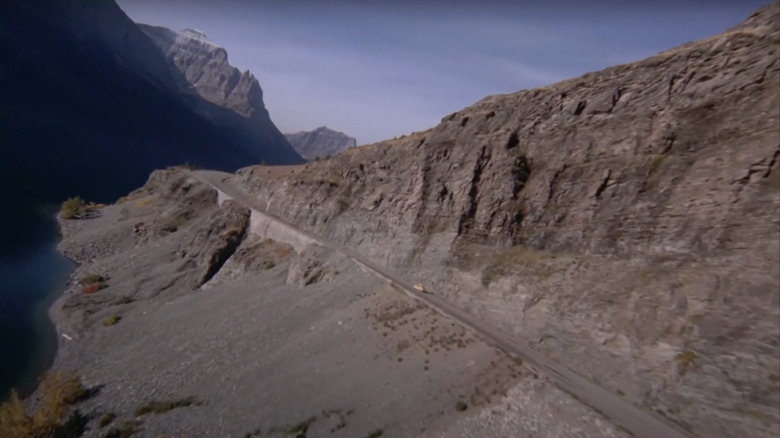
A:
[(420, 288)]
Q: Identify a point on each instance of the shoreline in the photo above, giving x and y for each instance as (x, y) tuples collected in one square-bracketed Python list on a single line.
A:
[(47, 333), (44, 261)]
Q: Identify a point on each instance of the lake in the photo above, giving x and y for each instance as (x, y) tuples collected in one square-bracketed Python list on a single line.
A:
[(32, 276)]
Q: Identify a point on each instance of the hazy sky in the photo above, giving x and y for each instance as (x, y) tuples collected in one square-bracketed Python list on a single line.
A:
[(376, 70)]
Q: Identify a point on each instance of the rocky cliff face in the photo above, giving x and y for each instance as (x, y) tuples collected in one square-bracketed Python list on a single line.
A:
[(205, 68), (624, 222), (322, 142), (229, 96)]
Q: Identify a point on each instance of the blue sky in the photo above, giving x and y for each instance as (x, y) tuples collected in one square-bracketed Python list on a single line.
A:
[(380, 69)]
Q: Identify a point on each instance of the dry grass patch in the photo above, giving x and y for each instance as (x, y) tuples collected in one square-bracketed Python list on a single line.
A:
[(92, 279), (504, 261), (125, 430), (657, 161), (124, 299), (76, 208), (94, 206), (144, 202), (744, 410), (131, 197), (106, 419), (161, 407), (111, 320), (684, 360)]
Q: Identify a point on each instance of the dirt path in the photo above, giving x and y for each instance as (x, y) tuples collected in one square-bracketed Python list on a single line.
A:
[(638, 422)]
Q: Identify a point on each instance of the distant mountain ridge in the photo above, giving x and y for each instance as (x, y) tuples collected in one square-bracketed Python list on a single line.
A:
[(322, 142)]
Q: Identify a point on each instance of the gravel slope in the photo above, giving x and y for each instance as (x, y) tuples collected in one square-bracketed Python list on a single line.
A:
[(276, 338)]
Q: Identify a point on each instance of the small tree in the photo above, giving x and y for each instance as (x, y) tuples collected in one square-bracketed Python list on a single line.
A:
[(72, 208), (58, 391)]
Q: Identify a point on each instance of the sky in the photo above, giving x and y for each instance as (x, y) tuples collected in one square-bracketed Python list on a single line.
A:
[(380, 69)]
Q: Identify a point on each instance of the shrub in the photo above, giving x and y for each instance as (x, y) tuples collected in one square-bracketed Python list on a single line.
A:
[(375, 434), (124, 431), (111, 320), (268, 265), (92, 283), (92, 288), (57, 391), (106, 419), (684, 359), (461, 406), (72, 208), (92, 279), (124, 299), (255, 432), (14, 421), (656, 162), (300, 429), (160, 407), (61, 388), (73, 428)]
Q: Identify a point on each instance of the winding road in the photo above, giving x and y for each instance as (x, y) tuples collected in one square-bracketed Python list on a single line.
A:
[(636, 421)]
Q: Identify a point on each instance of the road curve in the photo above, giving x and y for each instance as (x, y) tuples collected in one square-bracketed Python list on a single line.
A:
[(636, 421)]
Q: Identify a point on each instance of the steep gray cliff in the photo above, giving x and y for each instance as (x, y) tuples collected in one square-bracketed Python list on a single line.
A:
[(205, 68), (624, 222), (234, 98), (322, 142)]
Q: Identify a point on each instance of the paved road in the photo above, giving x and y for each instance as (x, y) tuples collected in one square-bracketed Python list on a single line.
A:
[(638, 422)]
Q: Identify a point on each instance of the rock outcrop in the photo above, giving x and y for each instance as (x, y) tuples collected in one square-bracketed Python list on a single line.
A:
[(320, 143), (624, 222), (204, 66)]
